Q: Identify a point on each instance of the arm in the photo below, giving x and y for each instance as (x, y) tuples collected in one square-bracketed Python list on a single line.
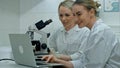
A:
[(72, 57), (114, 59), (63, 57), (53, 47), (80, 42), (53, 59), (104, 51), (67, 64), (52, 42)]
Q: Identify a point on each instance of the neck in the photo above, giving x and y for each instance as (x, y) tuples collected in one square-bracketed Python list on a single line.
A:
[(68, 27), (92, 22)]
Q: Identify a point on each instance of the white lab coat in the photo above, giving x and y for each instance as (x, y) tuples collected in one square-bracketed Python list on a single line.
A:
[(102, 49), (69, 42)]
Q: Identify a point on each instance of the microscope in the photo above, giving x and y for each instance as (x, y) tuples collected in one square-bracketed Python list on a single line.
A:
[(39, 46)]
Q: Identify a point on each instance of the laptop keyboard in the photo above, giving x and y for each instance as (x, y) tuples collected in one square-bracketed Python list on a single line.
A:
[(39, 61), (43, 62)]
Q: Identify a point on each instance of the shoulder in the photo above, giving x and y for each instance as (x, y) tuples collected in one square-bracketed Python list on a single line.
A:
[(102, 30), (99, 26), (83, 30), (57, 32)]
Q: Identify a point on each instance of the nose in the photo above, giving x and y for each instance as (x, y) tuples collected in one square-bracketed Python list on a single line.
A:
[(63, 18), (76, 18)]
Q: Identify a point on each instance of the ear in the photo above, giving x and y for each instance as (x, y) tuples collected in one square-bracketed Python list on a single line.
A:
[(92, 12)]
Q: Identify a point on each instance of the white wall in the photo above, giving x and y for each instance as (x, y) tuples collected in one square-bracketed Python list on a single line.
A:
[(112, 18), (17, 15), (9, 20), (39, 10), (45, 9)]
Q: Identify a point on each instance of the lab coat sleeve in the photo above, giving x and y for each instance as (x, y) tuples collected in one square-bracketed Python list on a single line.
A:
[(114, 59), (83, 42), (79, 63), (103, 52), (52, 41), (75, 56)]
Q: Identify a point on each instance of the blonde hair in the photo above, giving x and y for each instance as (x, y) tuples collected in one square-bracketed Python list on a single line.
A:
[(67, 4), (89, 4)]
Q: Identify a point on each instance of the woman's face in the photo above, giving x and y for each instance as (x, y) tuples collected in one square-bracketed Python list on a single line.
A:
[(66, 16), (82, 14)]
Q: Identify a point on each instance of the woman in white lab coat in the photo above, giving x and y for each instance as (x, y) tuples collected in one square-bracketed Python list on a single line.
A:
[(103, 47), (67, 40)]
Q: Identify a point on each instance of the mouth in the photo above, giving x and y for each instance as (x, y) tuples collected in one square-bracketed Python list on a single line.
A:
[(79, 22)]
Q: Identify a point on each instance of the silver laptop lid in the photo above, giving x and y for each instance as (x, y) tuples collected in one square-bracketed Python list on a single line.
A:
[(22, 49)]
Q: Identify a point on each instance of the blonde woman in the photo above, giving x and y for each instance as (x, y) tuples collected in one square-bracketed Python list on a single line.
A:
[(103, 47), (67, 40)]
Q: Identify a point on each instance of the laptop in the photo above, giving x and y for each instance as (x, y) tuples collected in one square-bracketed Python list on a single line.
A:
[(23, 52)]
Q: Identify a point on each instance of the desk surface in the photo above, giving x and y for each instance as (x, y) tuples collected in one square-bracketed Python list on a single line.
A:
[(5, 52), (10, 64)]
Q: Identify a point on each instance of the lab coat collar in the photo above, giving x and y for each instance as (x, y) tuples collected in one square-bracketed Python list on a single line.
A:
[(96, 24), (75, 28)]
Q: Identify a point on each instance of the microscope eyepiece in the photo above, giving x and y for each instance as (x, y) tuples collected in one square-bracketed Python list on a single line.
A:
[(40, 25)]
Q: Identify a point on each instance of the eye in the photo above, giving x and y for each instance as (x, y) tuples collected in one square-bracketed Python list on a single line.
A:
[(60, 15), (78, 14), (67, 15)]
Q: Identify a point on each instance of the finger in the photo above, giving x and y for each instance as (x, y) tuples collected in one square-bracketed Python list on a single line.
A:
[(44, 57), (49, 59)]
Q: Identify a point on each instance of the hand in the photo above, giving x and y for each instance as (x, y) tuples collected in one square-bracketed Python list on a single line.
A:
[(49, 58), (53, 59)]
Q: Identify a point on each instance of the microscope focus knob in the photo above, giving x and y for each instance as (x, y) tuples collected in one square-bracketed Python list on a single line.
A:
[(44, 46)]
